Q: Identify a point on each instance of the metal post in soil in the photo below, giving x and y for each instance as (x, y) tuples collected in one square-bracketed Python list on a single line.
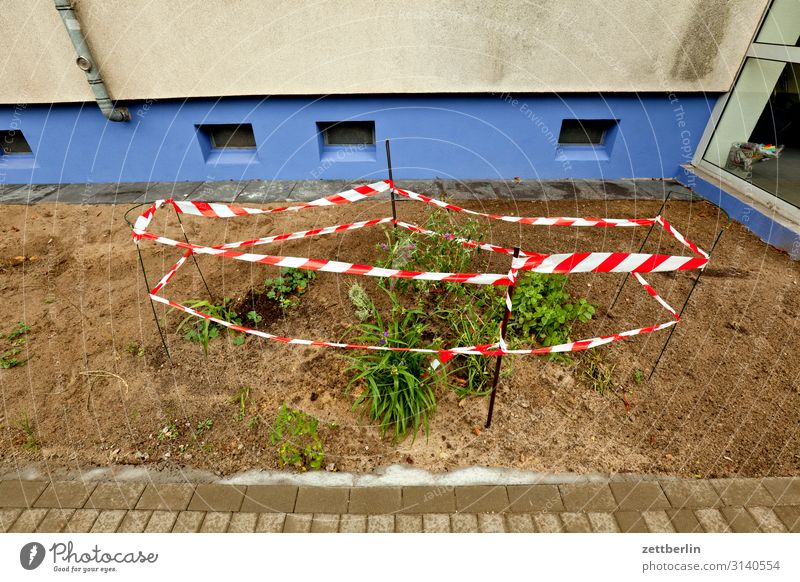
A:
[(686, 302), (152, 306), (391, 179), (503, 327), (641, 248)]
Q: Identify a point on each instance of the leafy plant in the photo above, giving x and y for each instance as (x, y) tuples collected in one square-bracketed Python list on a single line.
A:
[(638, 376), (134, 348), (595, 372), (288, 286), (397, 389), (16, 338), (441, 252), (202, 330), (30, 443), (254, 317), (203, 426), (299, 444), (544, 311)]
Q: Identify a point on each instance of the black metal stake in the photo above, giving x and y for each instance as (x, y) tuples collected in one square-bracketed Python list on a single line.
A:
[(196, 264), (685, 303), (503, 327), (152, 306), (391, 179), (641, 248)]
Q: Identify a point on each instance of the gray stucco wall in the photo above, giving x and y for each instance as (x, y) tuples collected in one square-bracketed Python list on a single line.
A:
[(191, 48)]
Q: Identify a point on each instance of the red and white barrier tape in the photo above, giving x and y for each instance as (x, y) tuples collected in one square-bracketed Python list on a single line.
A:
[(583, 262)]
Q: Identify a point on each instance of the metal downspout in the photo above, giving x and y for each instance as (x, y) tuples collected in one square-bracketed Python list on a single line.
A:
[(86, 63)]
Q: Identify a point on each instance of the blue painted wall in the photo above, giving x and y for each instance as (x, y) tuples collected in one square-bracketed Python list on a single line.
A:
[(449, 136), (764, 226)]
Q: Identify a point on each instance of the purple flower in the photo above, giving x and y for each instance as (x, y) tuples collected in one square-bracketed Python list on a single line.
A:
[(386, 333), (384, 246), (449, 236), (383, 341)]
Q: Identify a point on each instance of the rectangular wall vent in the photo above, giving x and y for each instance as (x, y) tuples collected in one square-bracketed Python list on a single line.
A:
[(12, 142)]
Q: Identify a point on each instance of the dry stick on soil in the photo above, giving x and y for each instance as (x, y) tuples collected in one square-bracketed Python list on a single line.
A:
[(100, 374)]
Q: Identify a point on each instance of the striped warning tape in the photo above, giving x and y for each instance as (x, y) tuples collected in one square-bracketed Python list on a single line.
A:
[(579, 262)]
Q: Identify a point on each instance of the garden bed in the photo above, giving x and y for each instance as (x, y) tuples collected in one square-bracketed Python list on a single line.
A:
[(96, 388)]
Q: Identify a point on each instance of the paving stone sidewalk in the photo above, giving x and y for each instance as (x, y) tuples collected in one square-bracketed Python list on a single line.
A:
[(613, 505)]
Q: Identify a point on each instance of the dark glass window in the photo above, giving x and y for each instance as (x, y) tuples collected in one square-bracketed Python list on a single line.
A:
[(585, 131), (13, 142), (230, 136), (347, 132)]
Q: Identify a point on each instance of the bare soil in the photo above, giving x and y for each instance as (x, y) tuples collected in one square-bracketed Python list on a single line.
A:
[(97, 387)]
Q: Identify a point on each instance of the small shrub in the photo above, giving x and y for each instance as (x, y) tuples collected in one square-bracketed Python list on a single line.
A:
[(201, 330), (30, 443), (397, 390), (286, 288), (134, 348), (638, 376), (544, 311), (299, 444), (240, 400)]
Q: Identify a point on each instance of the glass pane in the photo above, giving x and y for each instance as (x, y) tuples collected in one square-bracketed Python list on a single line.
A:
[(758, 136), (230, 136), (584, 131), (13, 142), (782, 24)]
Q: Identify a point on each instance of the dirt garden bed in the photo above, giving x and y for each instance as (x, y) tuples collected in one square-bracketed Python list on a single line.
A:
[(96, 388)]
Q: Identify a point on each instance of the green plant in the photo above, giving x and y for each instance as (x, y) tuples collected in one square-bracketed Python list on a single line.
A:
[(203, 426), (134, 348), (254, 317), (30, 443), (240, 399), (544, 311), (254, 422), (16, 338), (202, 330), (360, 300), (397, 389), (440, 252), (638, 376), (595, 372), (299, 444), (169, 432), (287, 287)]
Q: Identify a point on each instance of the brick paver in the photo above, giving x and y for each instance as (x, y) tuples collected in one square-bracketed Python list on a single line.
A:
[(188, 521), (380, 523), (616, 505), (243, 523), (429, 500), (322, 500), (785, 490), (82, 520), (166, 496), (740, 492), (683, 493), (108, 521), (65, 494), (482, 499), (28, 520), (639, 495), (8, 517), (766, 519), (524, 498), (161, 521), (215, 522), (375, 500), (20, 493), (436, 523), (270, 522), (297, 523), (325, 523), (135, 521), (55, 521), (270, 498), (217, 498), (115, 495), (587, 497)]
